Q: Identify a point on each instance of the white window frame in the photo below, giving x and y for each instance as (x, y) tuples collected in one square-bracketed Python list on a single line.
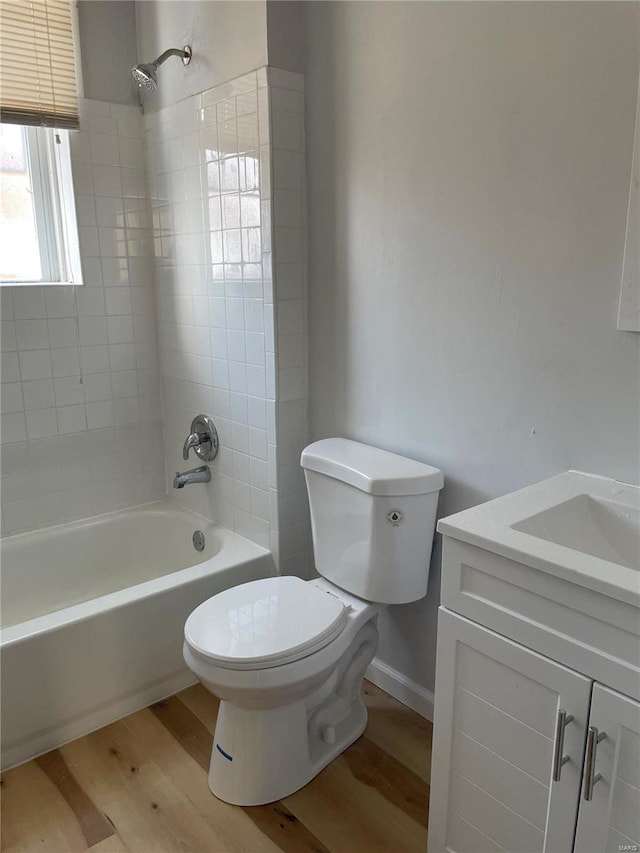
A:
[(49, 163)]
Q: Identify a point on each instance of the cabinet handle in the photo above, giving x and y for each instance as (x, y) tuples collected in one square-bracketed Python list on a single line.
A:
[(590, 780), (559, 760)]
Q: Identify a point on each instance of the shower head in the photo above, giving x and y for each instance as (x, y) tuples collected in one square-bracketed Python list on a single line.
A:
[(145, 74)]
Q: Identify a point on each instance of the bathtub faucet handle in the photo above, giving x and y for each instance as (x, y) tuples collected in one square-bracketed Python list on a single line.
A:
[(194, 440), (203, 438)]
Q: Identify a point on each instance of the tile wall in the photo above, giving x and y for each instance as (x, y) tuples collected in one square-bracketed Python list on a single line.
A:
[(194, 290), (208, 166), (79, 365), (293, 544), (223, 183)]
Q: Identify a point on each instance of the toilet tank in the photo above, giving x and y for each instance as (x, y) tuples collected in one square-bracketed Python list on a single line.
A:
[(373, 517)]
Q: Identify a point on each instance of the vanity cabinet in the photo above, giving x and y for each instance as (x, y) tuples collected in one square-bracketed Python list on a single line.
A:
[(531, 752), (610, 819)]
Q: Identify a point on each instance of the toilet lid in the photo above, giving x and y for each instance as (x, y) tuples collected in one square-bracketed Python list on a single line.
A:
[(265, 623)]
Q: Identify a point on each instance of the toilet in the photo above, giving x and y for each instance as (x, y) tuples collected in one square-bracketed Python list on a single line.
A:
[(286, 657)]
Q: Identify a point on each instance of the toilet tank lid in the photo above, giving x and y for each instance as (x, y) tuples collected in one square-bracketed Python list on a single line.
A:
[(370, 469)]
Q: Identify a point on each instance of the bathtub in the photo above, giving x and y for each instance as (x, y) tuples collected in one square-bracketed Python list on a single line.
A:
[(92, 617)]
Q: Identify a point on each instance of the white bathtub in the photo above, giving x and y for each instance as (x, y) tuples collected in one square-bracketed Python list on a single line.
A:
[(93, 614)]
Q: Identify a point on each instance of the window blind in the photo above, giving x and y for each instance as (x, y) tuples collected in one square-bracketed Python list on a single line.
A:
[(37, 63)]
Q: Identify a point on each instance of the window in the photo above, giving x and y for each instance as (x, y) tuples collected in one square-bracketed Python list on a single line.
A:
[(37, 209), (38, 104)]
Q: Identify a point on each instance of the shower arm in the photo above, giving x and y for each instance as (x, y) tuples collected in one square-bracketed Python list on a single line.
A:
[(185, 55)]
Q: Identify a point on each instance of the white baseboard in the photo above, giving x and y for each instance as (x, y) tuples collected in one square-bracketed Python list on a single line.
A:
[(413, 695), (69, 730)]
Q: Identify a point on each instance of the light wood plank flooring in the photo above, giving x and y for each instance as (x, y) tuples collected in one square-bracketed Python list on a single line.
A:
[(140, 785)]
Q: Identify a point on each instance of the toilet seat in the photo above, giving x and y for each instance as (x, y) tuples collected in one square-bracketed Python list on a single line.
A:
[(265, 623)]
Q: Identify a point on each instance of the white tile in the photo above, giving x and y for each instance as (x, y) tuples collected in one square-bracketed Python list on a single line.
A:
[(17, 516), (124, 383), (104, 149), (12, 427), (236, 345), (101, 124), (254, 315), (115, 272), (89, 243), (49, 510), (107, 180), (288, 208), (248, 132), (38, 394), (286, 99), (239, 408), (99, 414), (62, 332), (238, 377), (287, 130), (9, 367), (11, 398), (34, 364), (29, 303), (290, 317), (255, 349), (118, 300), (289, 245), (259, 473), (61, 300), (229, 175), (65, 361), (285, 79), (258, 443), (256, 380), (291, 383), (90, 302), (42, 423), (235, 313), (83, 178), (93, 330), (131, 152), (8, 336), (68, 391), (240, 437), (95, 359), (287, 167), (31, 334), (110, 212), (113, 242), (120, 330), (122, 357), (231, 211), (71, 419), (97, 387), (126, 410)]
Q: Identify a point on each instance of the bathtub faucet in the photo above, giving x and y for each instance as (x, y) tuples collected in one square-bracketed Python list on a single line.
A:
[(194, 475)]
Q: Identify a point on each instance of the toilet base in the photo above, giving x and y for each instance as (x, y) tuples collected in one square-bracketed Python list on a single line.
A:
[(260, 756)]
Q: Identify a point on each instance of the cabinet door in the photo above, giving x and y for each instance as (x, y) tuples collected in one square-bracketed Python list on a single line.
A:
[(496, 731), (609, 816)]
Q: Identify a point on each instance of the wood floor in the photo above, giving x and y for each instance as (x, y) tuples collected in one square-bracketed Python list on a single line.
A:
[(140, 785)]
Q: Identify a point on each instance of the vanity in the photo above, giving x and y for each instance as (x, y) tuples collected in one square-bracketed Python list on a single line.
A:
[(536, 743)]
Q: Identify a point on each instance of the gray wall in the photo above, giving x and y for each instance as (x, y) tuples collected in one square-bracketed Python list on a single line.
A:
[(108, 49), (286, 34), (468, 173), (228, 39)]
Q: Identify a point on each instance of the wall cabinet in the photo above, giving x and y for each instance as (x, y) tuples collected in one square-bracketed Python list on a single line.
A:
[(529, 755)]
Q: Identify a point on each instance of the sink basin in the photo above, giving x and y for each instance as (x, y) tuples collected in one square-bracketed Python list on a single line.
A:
[(602, 528), (581, 527)]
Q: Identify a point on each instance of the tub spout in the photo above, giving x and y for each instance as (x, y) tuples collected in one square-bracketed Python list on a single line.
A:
[(195, 475)]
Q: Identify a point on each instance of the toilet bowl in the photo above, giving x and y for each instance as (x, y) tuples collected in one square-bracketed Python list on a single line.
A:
[(289, 688), (286, 657)]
